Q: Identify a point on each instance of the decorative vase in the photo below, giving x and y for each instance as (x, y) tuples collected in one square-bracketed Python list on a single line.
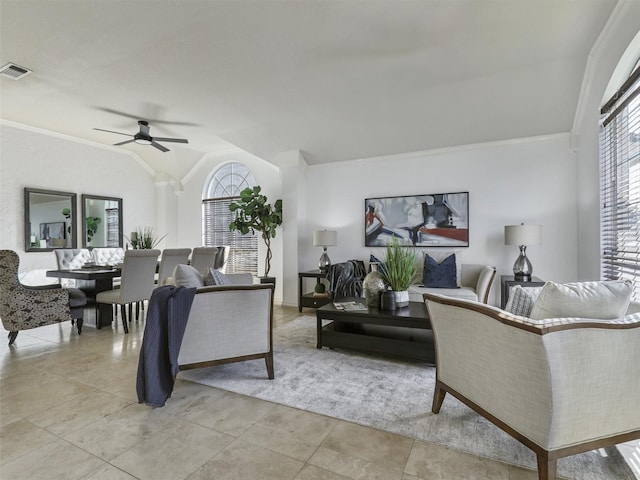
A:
[(402, 298), (387, 300), (372, 285)]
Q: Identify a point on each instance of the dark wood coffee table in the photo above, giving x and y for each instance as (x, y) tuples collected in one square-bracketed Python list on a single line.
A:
[(404, 332)]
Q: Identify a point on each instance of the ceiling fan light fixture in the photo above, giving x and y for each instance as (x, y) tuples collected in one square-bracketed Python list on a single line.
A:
[(142, 141)]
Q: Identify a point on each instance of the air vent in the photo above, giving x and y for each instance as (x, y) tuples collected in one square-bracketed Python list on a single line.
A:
[(13, 71)]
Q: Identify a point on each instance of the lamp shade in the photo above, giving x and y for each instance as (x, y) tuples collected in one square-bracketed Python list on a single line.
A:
[(325, 238), (522, 234)]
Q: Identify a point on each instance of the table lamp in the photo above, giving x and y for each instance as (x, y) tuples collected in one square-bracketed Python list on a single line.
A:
[(522, 235), (325, 238)]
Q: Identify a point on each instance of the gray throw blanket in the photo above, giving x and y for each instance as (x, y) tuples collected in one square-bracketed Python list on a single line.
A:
[(169, 308)]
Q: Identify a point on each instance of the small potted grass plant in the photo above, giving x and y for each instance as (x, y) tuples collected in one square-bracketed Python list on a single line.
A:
[(399, 269)]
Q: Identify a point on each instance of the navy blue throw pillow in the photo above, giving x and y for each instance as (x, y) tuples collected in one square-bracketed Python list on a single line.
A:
[(440, 275)]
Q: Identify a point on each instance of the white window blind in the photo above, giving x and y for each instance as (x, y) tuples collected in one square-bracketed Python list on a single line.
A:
[(223, 189), (620, 185)]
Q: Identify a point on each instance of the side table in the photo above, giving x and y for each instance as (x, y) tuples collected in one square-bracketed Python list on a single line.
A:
[(307, 299), (508, 281)]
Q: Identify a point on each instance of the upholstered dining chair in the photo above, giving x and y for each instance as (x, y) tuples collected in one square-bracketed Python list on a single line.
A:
[(203, 258), (108, 255), (25, 307), (70, 259), (170, 258), (137, 281)]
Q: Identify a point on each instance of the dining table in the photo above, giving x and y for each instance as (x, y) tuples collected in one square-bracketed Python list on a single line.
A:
[(93, 280)]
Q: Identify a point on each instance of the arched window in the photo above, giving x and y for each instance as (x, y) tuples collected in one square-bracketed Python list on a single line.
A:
[(620, 184), (223, 188)]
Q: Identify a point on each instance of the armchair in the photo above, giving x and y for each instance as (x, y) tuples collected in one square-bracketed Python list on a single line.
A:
[(537, 380), (24, 307)]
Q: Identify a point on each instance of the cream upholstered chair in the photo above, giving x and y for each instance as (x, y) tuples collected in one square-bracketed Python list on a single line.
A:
[(170, 258), (108, 256), (203, 258), (71, 259), (136, 283), (560, 386), (24, 307)]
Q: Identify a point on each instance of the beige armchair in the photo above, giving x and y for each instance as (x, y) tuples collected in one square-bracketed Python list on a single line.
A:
[(229, 323), (560, 387)]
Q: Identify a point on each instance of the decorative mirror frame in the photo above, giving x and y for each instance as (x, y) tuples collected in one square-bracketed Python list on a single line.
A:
[(86, 211), (32, 235)]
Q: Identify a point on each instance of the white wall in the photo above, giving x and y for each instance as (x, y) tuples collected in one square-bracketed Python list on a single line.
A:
[(35, 158), (621, 29), (531, 181)]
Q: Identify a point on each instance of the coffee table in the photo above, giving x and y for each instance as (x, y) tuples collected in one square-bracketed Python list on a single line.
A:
[(404, 332)]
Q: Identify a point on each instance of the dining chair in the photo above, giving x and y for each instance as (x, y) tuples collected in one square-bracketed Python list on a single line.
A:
[(203, 258), (108, 256), (222, 255), (71, 259), (170, 258), (137, 281)]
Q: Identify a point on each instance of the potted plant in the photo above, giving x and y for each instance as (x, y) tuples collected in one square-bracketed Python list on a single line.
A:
[(144, 238), (254, 214), (398, 270)]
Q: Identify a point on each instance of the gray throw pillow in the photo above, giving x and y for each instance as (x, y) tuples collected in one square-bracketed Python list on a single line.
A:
[(216, 277), (187, 276)]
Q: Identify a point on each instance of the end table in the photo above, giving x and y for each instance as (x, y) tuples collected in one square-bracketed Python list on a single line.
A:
[(308, 299)]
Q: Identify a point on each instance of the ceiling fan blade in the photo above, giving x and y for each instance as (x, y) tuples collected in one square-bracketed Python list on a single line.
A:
[(126, 141), (160, 147), (175, 140), (111, 131), (149, 119)]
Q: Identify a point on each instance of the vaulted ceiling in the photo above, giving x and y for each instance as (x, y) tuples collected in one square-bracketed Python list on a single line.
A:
[(335, 79)]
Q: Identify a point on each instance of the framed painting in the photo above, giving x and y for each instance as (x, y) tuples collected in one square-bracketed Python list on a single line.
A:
[(429, 220)]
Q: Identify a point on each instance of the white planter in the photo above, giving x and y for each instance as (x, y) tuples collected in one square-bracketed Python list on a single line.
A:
[(402, 298)]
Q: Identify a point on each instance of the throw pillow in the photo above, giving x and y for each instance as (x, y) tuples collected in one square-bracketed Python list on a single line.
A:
[(521, 300), (187, 276), (442, 256), (440, 275), (600, 300), (216, 277)]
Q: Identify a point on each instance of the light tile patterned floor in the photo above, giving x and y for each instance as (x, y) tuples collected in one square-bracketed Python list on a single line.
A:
[(68, 410)]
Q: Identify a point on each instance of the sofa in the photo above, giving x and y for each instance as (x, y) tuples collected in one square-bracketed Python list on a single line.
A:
[(475, 285), (231, 319), (560, 386)]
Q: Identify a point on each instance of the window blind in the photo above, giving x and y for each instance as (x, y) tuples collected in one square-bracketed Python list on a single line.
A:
[(620, 185), (113, 227), (243, 251)]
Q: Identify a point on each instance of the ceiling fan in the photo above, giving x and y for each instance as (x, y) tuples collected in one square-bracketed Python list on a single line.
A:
[(143, 137)]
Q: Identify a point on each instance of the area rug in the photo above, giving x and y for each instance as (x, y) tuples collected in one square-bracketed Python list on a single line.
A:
[(386, 394)]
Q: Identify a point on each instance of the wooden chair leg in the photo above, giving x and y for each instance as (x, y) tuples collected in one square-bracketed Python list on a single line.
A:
[(268, 359), (438, 397), (123, 312), (546, 467), (79, 322), (12, 337), (137, 311), (130, 311)]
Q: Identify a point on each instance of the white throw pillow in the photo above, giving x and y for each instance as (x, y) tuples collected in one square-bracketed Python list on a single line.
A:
[(187, 276), (521, 300), (600, 300)]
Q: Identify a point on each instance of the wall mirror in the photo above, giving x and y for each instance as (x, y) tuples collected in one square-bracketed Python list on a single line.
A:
[(101, 221), (49, 220)]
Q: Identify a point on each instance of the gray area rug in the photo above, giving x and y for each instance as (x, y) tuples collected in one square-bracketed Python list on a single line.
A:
[(387, 394)]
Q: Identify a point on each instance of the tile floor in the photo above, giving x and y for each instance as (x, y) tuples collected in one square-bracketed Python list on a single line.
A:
[(68, 410)]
